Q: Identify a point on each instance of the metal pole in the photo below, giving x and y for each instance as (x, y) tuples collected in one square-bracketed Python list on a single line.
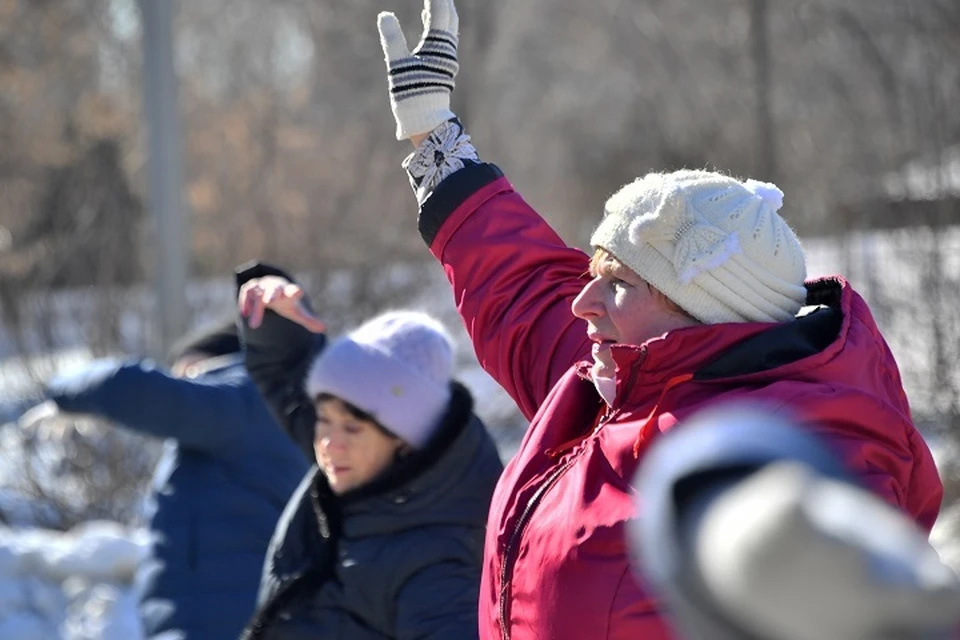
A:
[(165, 169), (760, 51)]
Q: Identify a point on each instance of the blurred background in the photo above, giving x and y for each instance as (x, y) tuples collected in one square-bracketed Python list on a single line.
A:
[(147, 148)]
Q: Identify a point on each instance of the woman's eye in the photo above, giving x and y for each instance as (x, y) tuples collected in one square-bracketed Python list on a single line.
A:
[(352, 428), (616, 283)]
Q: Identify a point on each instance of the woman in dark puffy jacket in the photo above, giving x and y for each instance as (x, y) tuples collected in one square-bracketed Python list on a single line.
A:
[(383, 538)]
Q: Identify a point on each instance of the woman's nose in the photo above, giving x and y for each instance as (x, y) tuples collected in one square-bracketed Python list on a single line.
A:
[(587, 304), (336, 441), (330, 441)]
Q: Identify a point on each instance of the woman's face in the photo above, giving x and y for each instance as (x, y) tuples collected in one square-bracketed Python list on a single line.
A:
[(621, 308), (350, 451)]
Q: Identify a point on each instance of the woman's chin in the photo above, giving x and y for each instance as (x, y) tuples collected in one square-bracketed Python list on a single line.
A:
[(602, 370), (337, 484)]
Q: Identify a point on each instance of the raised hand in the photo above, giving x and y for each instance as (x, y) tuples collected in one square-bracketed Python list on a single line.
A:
[(421, 81), (281, 296)]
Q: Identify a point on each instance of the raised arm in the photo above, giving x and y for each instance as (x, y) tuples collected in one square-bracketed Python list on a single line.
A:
[(199, 414), (278, 350), (513, 280), (513, 277)]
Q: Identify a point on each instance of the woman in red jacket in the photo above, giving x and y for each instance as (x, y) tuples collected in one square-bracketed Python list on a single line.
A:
[(695, 293)]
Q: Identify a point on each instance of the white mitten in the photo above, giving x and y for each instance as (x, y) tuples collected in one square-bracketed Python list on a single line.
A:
[(421, 82)]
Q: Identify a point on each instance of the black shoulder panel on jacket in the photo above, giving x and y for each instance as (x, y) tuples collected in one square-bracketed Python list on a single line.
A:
[(784, 343), (450, 194)]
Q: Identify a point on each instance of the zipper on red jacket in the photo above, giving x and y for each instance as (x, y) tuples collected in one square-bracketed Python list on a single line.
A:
[(644, 434), (509, 553)]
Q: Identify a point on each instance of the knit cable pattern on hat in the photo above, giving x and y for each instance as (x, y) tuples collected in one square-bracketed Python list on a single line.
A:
[(712, 244)]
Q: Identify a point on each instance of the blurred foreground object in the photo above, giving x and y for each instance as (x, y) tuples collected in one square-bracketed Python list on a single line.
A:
[(752, 530)]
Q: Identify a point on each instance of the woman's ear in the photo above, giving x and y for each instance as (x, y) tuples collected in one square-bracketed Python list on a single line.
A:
[(403, 449)]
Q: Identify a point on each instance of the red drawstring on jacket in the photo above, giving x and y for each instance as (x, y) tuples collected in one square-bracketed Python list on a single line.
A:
[(645, 430)]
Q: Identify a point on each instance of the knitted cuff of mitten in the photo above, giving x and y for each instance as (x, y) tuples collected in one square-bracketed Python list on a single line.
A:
[(445, 151)]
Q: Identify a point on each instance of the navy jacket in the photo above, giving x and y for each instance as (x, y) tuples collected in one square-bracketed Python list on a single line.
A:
[(235, 472)]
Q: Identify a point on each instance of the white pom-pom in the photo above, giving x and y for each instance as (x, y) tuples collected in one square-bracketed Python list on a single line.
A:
[(767, 191)]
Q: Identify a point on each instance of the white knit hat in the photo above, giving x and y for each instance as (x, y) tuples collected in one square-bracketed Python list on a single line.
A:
[(712, 244), (396, 367)]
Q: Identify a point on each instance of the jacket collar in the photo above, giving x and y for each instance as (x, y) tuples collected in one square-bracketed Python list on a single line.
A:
[(743, 347), (641, 368)]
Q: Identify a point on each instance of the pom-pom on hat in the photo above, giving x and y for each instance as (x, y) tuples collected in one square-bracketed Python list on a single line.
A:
[(396, 367), (712, 244)]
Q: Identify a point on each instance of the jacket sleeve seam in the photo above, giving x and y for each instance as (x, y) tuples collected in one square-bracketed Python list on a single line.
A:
[(450, 195)]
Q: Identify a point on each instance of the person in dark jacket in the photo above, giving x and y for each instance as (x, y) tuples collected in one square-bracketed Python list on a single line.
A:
[(234, 474), (384, 538)]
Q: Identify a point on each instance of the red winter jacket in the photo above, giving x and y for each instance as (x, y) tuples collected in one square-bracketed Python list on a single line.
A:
[(555, 561)]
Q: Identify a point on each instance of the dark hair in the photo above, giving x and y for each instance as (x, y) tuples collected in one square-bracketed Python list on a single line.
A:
[(217, 339), (355, 412)]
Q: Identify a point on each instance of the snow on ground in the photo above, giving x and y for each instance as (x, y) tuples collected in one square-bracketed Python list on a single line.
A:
[(945, 536), (57, 470), (84, 584), (87, 582)]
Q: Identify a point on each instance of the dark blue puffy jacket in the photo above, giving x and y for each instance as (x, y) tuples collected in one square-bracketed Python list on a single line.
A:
[(235, 472)]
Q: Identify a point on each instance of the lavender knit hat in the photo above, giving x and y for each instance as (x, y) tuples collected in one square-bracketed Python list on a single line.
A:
[(396, 367)]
